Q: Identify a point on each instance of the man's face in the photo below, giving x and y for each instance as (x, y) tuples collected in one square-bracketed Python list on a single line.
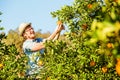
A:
[(29, 33)]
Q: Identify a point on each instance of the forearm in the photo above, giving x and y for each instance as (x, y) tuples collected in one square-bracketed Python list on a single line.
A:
[(53, 35), (38, 46), (57, 36), (56, 33)]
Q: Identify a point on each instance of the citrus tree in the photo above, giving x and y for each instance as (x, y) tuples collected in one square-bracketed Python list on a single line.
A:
[(12, 64), (91, 48)]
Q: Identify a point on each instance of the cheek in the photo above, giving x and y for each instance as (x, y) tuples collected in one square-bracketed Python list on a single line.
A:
[(30, 35), (25, 35)]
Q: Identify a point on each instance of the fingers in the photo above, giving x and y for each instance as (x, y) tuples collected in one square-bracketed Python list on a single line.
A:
[(59, 22), (60, 26)]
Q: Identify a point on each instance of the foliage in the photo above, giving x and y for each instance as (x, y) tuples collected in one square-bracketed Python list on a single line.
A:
[(14, 38), (93, 48), (90, 50), (12, 64), (12, 59)]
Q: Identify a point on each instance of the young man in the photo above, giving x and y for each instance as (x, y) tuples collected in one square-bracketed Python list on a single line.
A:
[(32, 46)]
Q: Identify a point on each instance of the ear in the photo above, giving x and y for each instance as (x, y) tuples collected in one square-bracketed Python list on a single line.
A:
[(24, 35)]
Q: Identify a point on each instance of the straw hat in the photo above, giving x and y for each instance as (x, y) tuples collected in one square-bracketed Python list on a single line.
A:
[(22, 27)]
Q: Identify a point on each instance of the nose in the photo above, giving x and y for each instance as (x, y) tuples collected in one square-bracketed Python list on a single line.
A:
[(32, 29)]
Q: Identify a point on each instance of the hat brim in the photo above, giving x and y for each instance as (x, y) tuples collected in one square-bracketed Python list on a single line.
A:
[(23, 27)]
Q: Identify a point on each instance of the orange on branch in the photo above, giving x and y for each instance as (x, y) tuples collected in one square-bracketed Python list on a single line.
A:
[(115, 0), (110, 45), (1, 65), (92, 63), (84, 26), (89, 6), (104, 69), (21, 74), (59, 22), (40, 63), (117, 68), (48, 78), (118, 59)]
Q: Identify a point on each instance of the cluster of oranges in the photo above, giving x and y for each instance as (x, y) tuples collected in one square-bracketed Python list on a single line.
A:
[(117, 67), (104, 68)]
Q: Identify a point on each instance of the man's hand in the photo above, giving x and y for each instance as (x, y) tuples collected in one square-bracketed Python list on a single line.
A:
[(60, 26), (55, 35)]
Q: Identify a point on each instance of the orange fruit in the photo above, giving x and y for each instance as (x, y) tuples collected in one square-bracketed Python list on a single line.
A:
[(104, 69), (84, 26), (48, 78), (118, 59), (115, 0), (92, 63), (89, 6), (21, 74), (118, 69), (40, 63), (110, 45), (1, 66), (59, 22)]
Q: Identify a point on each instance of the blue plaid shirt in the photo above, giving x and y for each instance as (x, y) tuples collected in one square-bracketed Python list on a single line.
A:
[(33, 56)]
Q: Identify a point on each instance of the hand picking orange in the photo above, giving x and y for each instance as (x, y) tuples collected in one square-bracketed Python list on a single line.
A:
[(59, 22)]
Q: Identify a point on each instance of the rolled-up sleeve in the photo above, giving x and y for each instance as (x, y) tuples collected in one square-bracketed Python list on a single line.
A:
[(28, 45)]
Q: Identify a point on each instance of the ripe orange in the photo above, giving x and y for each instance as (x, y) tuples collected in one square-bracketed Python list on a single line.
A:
[(104, 69), (59, 22), (118, 68), (89, 6), (110, 45), (48, 78), (115, 0), (84, 26), (118, 60), (21, 74), (40, 63), (1, 65), (92, 63)]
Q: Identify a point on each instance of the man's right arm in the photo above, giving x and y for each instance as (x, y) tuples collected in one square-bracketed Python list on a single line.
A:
[(56, 33), (53, 36), (33, 46), (38, 46)]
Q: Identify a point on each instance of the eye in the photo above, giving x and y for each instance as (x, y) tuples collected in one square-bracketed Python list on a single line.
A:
[(31, 28)]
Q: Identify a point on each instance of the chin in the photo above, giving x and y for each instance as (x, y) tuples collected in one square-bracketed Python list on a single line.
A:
[(33, 36)]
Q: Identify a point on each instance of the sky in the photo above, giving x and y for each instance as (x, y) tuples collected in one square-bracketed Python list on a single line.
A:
[(37, 12)]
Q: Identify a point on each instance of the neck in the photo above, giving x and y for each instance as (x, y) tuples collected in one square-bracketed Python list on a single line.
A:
[(30, 38)]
